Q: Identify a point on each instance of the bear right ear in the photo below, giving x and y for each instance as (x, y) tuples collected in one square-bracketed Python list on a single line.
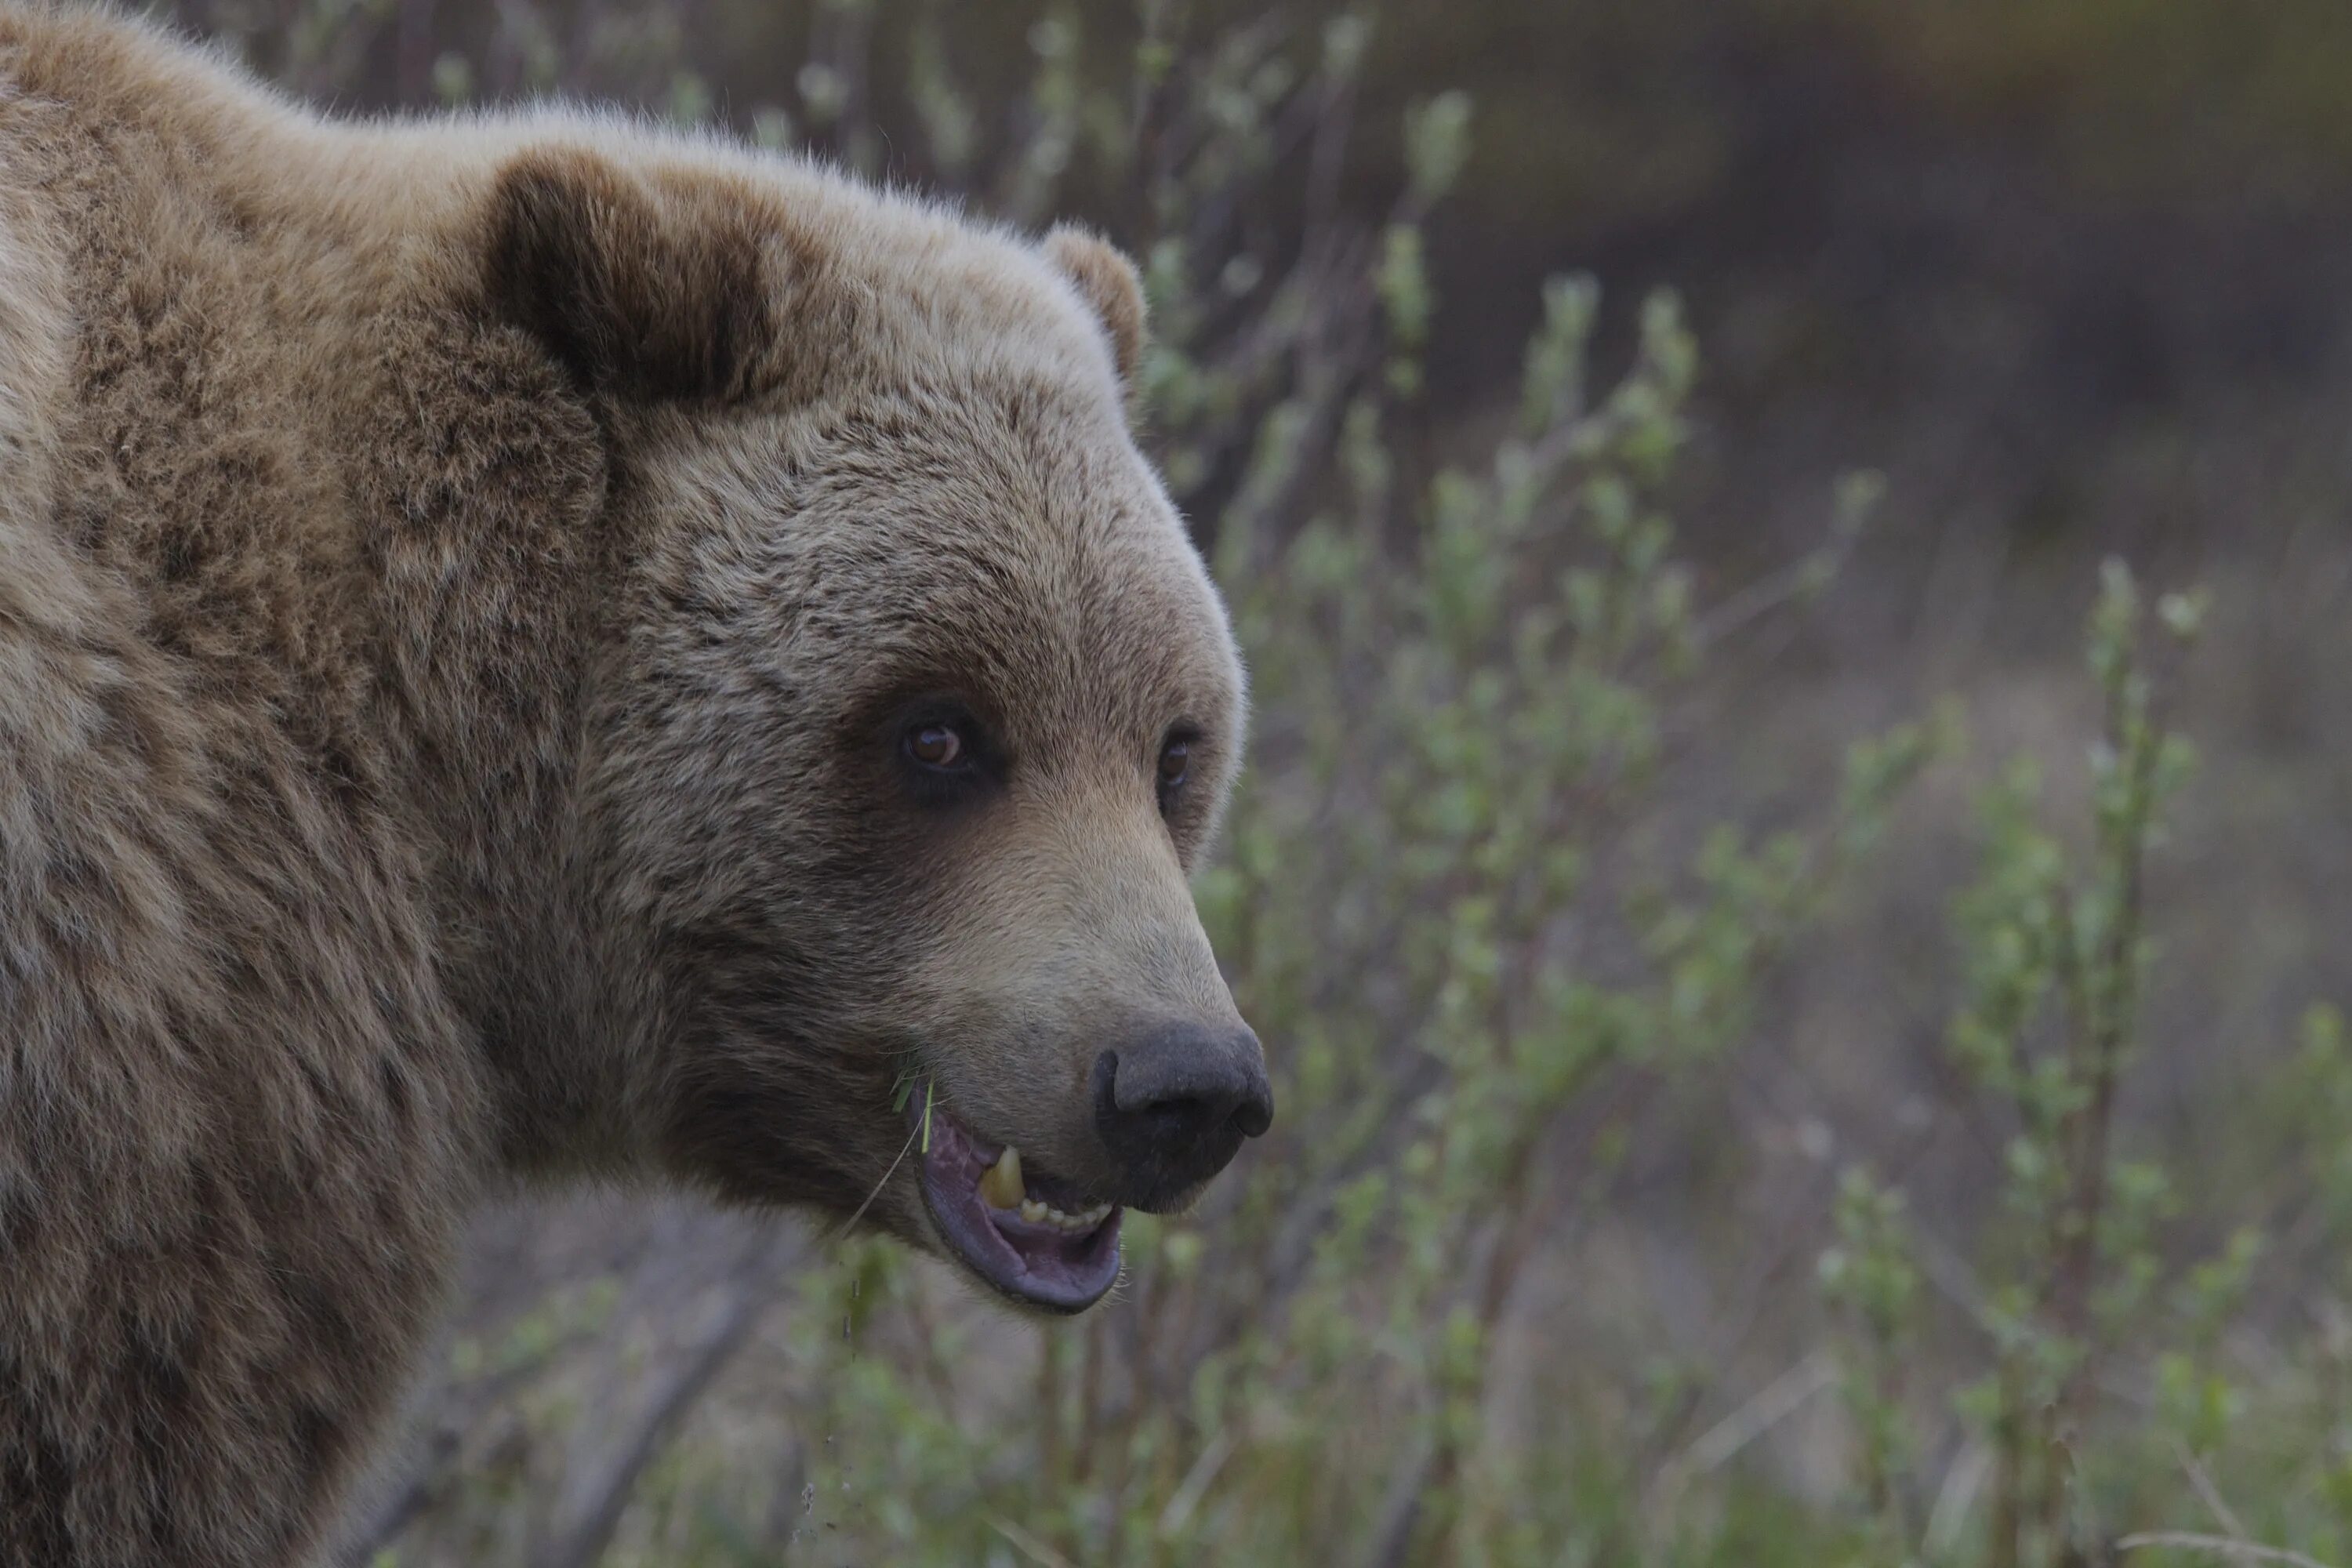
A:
[(1107, 280), (643, 284)]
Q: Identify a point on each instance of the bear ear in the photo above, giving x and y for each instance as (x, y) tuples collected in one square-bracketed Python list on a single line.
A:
[(647, 286), (1107, 280)]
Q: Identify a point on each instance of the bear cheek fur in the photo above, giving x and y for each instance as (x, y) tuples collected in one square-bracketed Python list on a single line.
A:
[(764, 900)]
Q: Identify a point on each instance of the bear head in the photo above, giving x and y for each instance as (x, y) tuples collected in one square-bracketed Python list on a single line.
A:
[(916, 710)]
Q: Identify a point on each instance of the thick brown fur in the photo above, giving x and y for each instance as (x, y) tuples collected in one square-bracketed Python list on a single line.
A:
[(457, 582)]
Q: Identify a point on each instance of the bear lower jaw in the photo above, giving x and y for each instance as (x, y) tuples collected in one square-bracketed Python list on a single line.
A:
[(1031, 1249)]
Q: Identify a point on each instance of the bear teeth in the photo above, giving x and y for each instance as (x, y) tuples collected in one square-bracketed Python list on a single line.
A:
[(1000, 1185)]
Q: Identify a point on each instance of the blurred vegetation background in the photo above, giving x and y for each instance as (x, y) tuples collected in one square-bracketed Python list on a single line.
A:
[(1799, 847)]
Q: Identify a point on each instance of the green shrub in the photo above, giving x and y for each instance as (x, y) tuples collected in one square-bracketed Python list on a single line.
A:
[(2109, 1395)]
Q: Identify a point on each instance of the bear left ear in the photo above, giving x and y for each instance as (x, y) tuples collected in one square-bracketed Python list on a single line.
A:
[(651, 285), (1107, 280)]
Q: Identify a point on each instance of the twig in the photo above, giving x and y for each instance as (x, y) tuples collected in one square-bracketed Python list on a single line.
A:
[(1196, 1483), (1031, 1547), (2203, 1483), (850, 1223), (592, 1505), (1771, 1404), (400, 1504), (1720, 1444), (2221, 1545), (1401, 1512), (1962, 1480)]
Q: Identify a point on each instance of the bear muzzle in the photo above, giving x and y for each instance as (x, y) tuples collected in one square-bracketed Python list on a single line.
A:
[(1172, 1104)]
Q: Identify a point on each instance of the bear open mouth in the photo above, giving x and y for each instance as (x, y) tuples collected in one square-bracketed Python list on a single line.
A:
[(1029, 1234)]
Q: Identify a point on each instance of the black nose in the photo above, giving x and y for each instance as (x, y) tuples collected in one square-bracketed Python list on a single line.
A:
[(1174, 1104)]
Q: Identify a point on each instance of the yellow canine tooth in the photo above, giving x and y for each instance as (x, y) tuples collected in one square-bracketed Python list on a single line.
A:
[(1002, 1185)]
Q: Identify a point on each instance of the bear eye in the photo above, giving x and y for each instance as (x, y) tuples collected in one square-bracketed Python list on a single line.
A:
[(1175, 767), (935, 745)]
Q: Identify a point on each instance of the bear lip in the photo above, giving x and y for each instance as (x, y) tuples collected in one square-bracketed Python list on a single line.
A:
[(1037, 1265)]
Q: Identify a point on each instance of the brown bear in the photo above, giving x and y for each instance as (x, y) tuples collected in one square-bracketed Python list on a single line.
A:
[(542, 645)]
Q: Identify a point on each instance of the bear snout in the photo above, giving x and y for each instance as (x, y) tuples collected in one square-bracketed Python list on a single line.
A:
[(1172, 1104)]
